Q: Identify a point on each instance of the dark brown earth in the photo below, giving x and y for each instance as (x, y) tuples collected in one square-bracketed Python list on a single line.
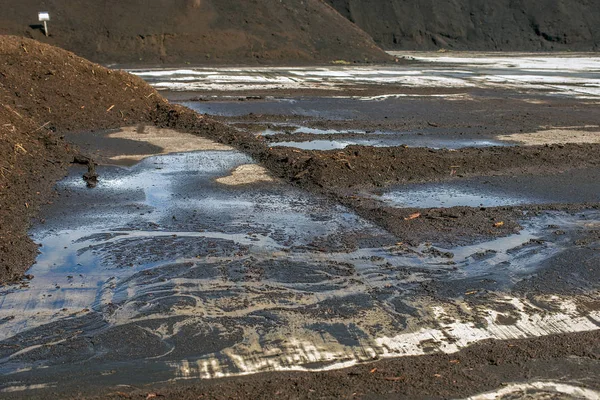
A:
[(194, 31), (31, 160), (522, 25), (361, 166)]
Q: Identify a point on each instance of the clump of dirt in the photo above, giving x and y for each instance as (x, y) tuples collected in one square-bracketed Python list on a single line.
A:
[(533, 25), (45, 91), (452, 226), (196, 31)]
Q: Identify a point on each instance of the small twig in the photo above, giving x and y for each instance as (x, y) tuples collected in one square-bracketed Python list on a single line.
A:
[(18, 146), (10, 109), (40, 127)]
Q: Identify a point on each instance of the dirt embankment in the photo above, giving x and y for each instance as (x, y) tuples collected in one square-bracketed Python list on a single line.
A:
[(522, 25), (45, 91), (194, 31)]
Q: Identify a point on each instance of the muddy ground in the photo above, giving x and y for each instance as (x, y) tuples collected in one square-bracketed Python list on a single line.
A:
[(481, 368), (472, 126), (346, 174), (171, 273), (127, 268)]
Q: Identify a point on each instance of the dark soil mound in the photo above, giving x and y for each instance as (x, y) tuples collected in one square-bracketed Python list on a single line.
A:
[(30, 161), (526, 25), (45, 90), (194, 31)]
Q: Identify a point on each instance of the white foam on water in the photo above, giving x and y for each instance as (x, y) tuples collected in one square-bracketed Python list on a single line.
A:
[(520, 389), (316, 144), (22, 388), (172, 72), (300, 354), (554, 62), (459, 96), (568, 75)]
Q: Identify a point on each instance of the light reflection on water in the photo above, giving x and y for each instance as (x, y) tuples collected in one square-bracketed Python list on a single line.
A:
[(377, 139), (262, 272), (447, 195), (429, 142)]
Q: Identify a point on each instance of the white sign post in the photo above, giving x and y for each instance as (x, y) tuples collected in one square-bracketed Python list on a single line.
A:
[(44, 17)]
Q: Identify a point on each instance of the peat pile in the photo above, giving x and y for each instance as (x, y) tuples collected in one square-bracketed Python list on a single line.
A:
[(194, 31), (522, 25), (45, 91)]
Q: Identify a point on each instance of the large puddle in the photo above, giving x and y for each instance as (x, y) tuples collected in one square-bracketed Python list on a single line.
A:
[(163, 273), (579, 186), (327, 123), (345, 109)]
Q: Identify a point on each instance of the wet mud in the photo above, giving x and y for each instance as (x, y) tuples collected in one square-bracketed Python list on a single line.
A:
[(330, 144), (239, 258), (191, 278)]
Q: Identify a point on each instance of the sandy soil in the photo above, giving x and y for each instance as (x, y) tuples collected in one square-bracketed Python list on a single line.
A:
[(555, 136), (246, 174), (168, 140)]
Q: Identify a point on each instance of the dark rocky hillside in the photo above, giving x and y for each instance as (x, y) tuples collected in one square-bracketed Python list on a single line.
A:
[(525, 25)]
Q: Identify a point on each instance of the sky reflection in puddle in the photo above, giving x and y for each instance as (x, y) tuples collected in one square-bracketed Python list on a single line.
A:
[(265, 274)]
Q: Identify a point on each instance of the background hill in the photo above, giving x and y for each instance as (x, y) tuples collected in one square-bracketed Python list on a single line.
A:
[(194, 31), (525, 25)]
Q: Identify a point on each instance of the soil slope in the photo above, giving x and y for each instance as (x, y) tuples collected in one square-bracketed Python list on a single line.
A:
[(44, 90), (194, 31), (521, 25)]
